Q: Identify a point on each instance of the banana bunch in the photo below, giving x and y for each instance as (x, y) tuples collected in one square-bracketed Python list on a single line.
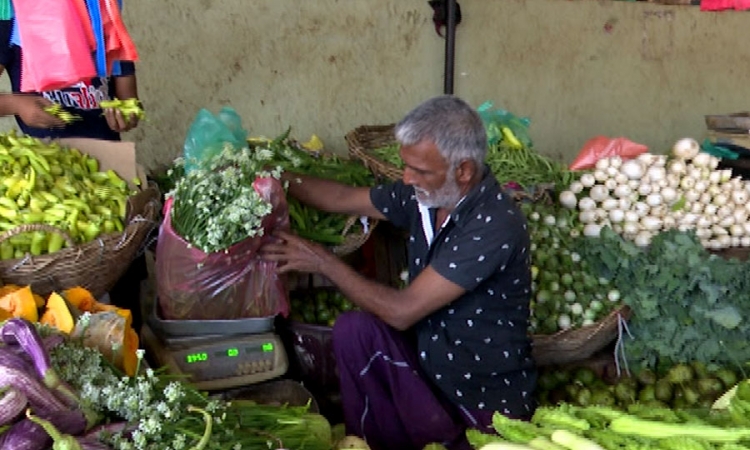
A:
[(61, 113), (128, 107), (45, 183)]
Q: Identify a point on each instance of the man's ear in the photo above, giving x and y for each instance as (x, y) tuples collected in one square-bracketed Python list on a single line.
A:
[(465, 171)]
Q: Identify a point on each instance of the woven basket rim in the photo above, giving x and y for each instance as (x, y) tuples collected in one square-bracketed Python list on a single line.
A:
[(353, 241), (580, 343), (360, 146)]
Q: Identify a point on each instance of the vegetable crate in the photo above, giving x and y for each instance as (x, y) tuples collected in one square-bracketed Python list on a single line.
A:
[(311, 355), (363, 140)]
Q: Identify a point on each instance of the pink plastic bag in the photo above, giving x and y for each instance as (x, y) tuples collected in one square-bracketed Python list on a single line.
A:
[(601, 147), (229, 284), (56, 52)]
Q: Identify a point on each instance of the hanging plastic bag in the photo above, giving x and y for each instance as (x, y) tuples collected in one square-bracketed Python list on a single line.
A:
[(209, 133), (602, 147), (55, 48), (231, 284), (118, 44), (497, 119)]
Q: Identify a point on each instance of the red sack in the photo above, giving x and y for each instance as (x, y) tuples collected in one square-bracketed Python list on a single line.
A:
[(56, 52), (601, 147), (231, 284), (716, 5)]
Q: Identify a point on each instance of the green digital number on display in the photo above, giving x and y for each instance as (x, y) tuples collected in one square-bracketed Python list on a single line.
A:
[(267, 347), (232, 352), (196, 357)]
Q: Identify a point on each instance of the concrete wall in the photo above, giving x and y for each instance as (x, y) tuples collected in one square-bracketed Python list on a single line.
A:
[(577, 68)]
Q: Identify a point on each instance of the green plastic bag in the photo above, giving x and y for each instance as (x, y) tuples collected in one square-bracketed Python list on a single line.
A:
[(495, 119), (209, 134)]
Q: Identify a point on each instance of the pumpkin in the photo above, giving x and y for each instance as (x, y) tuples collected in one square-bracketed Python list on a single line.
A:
[(39, 300), (84, 301), (20, 303), (109, 333), (8, 288), (57, 314)]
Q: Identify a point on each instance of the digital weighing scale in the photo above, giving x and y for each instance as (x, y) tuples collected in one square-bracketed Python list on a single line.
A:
[(216, 354)]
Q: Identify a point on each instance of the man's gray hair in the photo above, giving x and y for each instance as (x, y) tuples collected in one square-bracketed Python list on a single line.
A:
[(452, 124)]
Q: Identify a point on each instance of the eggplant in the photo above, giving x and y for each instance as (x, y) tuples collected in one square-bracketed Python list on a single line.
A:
[(15, 360), (12, 404), (36, 393), (27, 435), (24, 334)]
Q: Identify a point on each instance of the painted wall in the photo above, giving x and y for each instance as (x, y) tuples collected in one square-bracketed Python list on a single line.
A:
[(577, 68)]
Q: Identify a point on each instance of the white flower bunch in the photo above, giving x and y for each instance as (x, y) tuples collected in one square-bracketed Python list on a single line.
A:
[(215, 205)]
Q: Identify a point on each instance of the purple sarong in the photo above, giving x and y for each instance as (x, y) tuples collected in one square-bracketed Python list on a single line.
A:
[(386, 399)]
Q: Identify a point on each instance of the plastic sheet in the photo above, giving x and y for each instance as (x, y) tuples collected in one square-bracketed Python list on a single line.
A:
[(209, 133), (55, 46), (603, 147), (230, 284)]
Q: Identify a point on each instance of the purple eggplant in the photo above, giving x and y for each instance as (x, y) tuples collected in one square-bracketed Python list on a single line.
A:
[(28, 435), (24, 334), (12, 404)]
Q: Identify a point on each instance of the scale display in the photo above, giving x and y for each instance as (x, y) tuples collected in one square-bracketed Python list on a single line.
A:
[(220, 362)]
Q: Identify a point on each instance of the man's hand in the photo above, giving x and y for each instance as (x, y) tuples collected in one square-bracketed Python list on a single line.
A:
[(296, 254), (119, 122), (30, 108)]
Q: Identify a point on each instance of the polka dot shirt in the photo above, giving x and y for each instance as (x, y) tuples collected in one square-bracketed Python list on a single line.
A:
[(476, 349)]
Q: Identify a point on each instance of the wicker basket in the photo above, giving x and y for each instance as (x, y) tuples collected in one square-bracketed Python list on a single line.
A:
[(578, 344), (96, 265), (353, 241), (363, 140)]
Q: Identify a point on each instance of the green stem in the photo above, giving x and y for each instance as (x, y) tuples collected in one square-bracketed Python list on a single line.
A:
[(209, 424), (61, 441)]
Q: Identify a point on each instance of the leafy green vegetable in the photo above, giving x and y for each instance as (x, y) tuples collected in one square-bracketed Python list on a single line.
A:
[(688, 304)]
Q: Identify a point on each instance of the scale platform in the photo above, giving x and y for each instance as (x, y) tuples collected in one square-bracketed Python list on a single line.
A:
[(216, 361)]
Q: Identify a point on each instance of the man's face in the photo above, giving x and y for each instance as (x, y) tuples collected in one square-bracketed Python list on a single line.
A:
[(433, 179)]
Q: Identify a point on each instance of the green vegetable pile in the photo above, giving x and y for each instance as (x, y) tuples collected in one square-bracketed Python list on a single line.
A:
[(688, 304), (570, 427), (681, 386), (566, 292), (319, 226), (318, 306)]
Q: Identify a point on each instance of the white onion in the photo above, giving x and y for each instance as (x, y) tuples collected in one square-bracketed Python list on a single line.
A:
[(588, 216), (634, 184), (704, 222), (599, 192), (587, 180), (714, 177), (610, 183), (615, 161), (616, 215), (692, 195), (632, 169), (592, 230), (720, 200), (701, 186), (610, 204), (705, 198), (746, 226), (656, 173), (726, 175), (669, 222), (687, 182), (686, 148), (735, 241), (651, 223), (736, 230), (586, 203), (710, 209), (602, 164), (740, 214), (740, 196), (718, 231), (703, 233), (697, 207), (576, 187), (713, 162), (568, 199), (726, 222), (677, 167), (701, 160), (621, 178), (646, 158), (689, 218), (625, 203), (669, 195), (673, 180), (641, 208), (724, 211), (612, 171), (653, 200), (724, 241), (631, 216), (622, 190), (745, 241), (631, 227), (600, 175), (644, 189), (643, 239)]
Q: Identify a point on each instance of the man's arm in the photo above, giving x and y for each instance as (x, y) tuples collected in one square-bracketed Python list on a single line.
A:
[(331, 196), (399, 308)]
